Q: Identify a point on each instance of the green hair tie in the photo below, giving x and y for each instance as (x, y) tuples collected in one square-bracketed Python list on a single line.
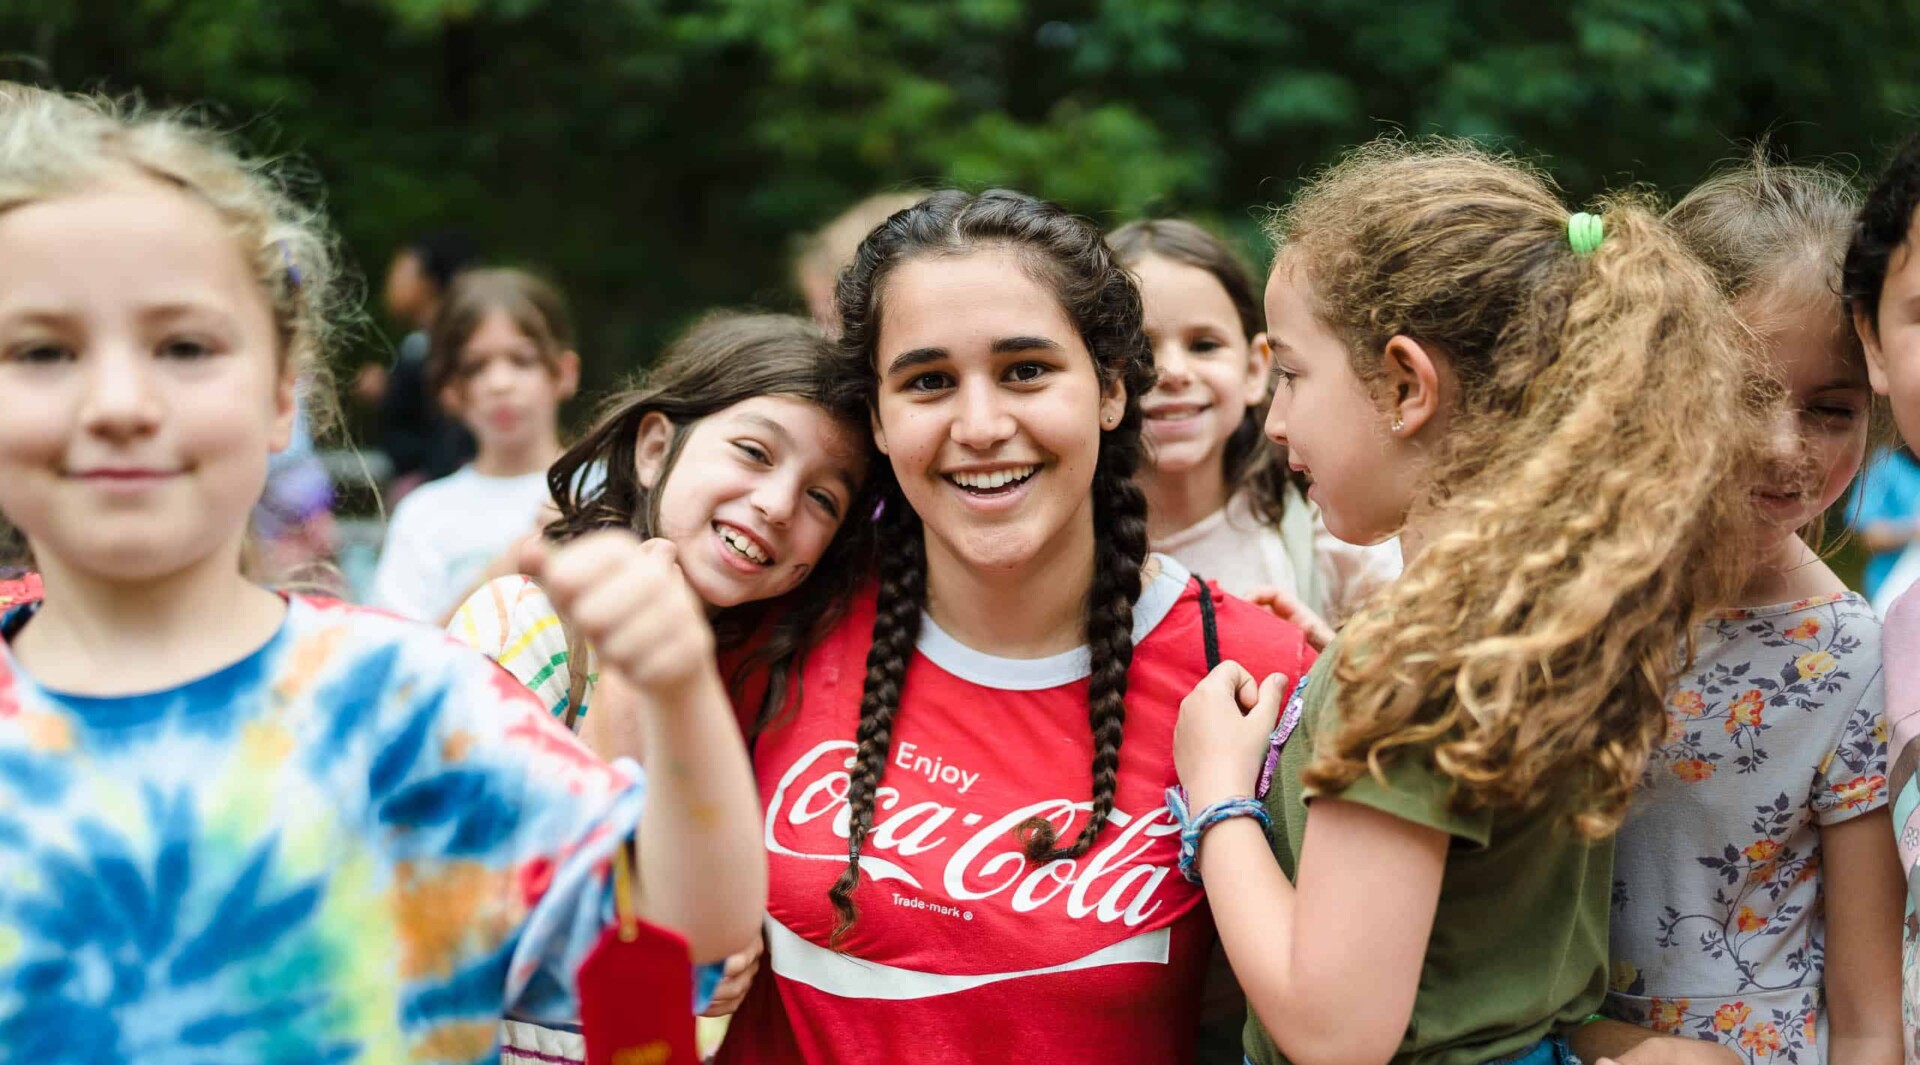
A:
[(1584, 232)]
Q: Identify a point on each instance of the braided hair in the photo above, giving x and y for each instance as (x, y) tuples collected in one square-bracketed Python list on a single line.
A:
[(1069, 256)]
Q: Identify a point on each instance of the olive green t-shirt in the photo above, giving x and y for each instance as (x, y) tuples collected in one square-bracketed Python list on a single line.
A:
[(1519, 945)]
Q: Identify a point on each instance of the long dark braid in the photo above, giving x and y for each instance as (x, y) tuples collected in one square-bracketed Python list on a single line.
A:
[(1068, 255), (1120, 548), (896, 628)]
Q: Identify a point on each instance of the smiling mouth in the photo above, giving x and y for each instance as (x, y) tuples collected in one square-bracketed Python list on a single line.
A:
[(992, 482), (1176, 414), (743, 545)]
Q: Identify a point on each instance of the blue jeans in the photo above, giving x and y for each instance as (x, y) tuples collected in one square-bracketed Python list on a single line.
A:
[(1552, 1050)]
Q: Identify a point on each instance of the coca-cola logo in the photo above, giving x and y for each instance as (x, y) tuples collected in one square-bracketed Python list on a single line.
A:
[(1117, 880)]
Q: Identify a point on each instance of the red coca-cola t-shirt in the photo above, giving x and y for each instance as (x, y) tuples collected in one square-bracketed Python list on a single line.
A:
[(964, 950)]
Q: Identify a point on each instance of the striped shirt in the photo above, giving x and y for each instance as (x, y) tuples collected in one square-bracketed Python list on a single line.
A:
[(511, 621)]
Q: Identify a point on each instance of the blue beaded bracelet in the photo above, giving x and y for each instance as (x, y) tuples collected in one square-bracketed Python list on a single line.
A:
[(1192, 826)]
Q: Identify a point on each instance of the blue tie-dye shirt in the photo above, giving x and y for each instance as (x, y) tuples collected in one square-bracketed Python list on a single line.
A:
[(361, 843)]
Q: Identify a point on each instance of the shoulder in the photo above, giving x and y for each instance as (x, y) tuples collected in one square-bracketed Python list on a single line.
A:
[(1902, 626), (1248, 634), (502, 611), (374, 648)]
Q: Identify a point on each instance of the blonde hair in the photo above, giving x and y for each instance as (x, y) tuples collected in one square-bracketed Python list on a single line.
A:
[(54, 144), (1762, 226), (1584, 504), (825, 253)]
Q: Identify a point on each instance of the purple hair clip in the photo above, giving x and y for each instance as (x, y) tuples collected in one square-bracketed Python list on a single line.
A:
[(293, 268)]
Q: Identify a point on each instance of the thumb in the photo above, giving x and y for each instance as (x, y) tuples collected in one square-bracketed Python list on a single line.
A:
[(1266, 711)]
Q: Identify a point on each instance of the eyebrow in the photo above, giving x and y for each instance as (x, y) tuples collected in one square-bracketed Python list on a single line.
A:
[(786, 438), (769, 425), (907, 360)]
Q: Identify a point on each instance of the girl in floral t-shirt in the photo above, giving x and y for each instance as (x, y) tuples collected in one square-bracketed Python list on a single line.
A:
[(1770, 784)]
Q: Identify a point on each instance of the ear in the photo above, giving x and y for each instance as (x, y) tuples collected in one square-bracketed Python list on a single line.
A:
[(450, 400), (650, 448), (1259, 370), (1413, 382), (566, 374), (1870, 341), (286, 407), (879, 431), (1113, 404)]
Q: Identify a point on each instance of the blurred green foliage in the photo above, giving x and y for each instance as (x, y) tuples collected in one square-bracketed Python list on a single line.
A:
[(659, 157)]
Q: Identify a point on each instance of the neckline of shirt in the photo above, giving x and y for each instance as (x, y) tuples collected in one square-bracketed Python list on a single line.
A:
[(1038, 674)]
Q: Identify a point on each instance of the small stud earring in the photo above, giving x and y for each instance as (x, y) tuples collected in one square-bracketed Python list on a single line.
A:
[(1399, 424)]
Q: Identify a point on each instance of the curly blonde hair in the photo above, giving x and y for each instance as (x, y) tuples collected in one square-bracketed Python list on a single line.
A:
[(1585, 507), (55, 144)]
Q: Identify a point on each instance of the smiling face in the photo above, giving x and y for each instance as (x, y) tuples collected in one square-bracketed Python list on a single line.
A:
[(756, 495), (1820, 425), (141, 390), (990, 411), (1210, 370), (1333, 428)]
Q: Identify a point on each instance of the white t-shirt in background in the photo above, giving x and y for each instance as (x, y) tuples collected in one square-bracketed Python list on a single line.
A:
[(443, 535)]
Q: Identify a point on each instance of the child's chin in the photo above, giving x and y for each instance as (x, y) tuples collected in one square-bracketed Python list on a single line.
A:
[(723, 590)]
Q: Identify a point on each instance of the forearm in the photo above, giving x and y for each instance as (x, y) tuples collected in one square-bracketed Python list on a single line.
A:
[(1866, 899), (1608, 1039), (702, 864), (1882, 536), (1312, 1021)]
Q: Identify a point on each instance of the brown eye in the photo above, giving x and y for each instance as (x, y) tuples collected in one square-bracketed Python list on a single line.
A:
[(185, 348)]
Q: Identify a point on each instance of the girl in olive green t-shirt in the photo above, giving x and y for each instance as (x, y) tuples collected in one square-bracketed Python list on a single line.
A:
[(1544, 409)]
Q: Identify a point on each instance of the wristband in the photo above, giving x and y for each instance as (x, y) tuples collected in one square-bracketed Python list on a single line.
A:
[(1193, 826)]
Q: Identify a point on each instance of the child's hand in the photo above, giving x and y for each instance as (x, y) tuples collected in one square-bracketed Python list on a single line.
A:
[(1223, 734), (1282, 604), (1675, 1050), (735, 979), (629, 600)]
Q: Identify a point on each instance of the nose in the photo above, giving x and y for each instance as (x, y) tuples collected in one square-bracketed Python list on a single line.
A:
[(982, 420), (496, 375), (1170, 358), (1784, 444), (121, 402), (1276, 424), (775, 498)]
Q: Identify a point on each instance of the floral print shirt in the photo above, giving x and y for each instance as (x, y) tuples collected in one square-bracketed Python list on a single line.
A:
[(361, 843), (1718, 926)]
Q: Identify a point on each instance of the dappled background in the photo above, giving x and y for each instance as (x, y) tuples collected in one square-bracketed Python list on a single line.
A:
[(659, 158)]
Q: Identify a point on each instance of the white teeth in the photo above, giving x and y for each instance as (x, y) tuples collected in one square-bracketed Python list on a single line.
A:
[(995, 479), (743, 545)]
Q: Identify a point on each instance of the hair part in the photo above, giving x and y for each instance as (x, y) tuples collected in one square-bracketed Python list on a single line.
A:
[(536, 308), (1586, 507), (1068, 256), (1250, 462), (724, 359), (826, 252)]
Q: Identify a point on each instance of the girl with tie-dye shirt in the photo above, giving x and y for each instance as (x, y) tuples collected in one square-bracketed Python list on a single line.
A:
[(242, 826)]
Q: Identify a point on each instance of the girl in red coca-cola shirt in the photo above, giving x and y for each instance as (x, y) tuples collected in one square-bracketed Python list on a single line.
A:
[(971, 855)]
